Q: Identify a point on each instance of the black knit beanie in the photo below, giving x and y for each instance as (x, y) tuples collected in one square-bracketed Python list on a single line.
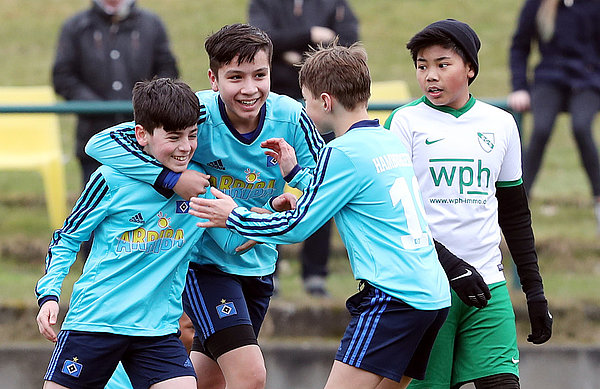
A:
[(463, 36)]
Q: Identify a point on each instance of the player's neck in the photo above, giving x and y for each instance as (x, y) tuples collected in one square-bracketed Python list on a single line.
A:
[(344, 119)]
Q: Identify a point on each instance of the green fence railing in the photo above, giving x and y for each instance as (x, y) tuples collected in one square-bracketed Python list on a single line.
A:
[(124, 106)]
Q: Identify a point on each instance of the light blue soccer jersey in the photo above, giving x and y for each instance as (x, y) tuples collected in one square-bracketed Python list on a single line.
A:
[(134, 277), (237, 166), (365, 180)]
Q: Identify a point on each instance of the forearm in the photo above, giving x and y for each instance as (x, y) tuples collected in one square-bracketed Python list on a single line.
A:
[(514, 218), (117, 147)]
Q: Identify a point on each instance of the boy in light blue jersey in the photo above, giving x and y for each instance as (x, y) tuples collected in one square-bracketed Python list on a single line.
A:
[(365, 180), (127, 302), (238, 114)]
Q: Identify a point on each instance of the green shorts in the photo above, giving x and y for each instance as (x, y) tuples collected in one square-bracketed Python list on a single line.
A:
[(482, 341)]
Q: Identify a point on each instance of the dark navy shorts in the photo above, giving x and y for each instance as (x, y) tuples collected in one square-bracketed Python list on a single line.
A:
[(227, 310), (87, 360), (388, 337)]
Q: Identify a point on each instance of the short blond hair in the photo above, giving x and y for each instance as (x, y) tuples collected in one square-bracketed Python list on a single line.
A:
[(340, 71)]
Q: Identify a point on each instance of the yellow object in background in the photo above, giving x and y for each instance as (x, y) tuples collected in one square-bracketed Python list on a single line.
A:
[(32, 142), (393, 91)]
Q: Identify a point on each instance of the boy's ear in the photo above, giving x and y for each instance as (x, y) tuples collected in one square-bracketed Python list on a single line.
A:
[(326, 101), (141, 135), (471, 72), (214, 83)]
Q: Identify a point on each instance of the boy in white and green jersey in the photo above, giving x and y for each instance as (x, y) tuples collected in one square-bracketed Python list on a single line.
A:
[(467, 158)]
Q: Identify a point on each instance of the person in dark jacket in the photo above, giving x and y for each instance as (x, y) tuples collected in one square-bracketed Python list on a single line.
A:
[(567, 78), (295, 26), (102, 52)]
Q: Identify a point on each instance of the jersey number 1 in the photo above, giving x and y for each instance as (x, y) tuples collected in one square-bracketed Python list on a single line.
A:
[(401, 193)]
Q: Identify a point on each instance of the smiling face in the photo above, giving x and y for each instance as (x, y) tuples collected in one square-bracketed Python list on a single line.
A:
[(173, 149), (443, 76), (244, 89)]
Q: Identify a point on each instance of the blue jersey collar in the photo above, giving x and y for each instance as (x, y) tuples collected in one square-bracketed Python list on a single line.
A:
[(240, 137), (365, 123)]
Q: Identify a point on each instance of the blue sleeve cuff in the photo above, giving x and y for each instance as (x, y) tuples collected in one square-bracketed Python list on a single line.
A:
[(290, 176), (167, 179), (42, 300)]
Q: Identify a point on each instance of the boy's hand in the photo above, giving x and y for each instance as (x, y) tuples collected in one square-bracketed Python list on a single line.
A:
[(468, 284), (540, 320), (246, 246), (46, 318), (191, 183), (519, 100), (215, 210), (284, 202), (285, 154)]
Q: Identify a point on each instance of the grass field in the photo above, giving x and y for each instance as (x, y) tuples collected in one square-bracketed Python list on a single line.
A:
[(561, 203)]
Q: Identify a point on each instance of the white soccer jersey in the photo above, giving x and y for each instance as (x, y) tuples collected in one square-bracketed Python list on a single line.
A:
[(460, 157)]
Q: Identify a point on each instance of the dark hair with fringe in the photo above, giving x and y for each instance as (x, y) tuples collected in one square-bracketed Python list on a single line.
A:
[(242, 40), (164, 102)]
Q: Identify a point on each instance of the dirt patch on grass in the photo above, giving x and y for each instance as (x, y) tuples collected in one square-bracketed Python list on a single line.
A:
[(24, 248)]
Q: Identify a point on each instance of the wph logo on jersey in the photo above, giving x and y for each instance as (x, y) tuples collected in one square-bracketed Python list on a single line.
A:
[(471, 176), (72, 368), (486, 141), (226, 309)]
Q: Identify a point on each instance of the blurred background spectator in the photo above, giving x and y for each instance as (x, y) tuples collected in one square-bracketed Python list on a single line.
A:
[(102, 52), (295, 26), (567, 78)]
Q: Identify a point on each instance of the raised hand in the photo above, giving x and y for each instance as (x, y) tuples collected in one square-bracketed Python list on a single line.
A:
[(284, 154)]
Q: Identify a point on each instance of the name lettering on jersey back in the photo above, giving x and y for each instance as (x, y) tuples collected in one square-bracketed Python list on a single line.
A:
[(391, 161), (152, 241), (468, 173), (242, 189)]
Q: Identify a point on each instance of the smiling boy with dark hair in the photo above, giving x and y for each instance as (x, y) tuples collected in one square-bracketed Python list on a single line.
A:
[(127, 302)]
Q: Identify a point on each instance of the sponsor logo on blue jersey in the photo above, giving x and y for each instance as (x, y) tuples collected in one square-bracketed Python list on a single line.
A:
[(252, 186), (137, 218), (152, 240), (226, 309), (271, 161), (182, 206), (72, 368)]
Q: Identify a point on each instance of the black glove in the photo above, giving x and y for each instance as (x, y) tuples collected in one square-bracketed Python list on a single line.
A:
[(541, 321), (464, 279)]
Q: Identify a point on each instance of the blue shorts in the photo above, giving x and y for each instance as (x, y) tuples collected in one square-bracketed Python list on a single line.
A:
[(388, 337), (87, 360), (227, 310)]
